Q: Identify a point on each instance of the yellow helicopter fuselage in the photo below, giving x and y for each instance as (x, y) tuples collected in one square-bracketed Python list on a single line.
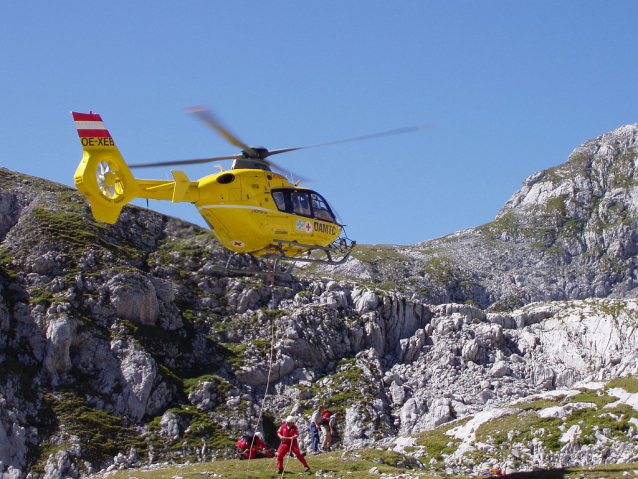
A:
[(245, 217), (250, 210)]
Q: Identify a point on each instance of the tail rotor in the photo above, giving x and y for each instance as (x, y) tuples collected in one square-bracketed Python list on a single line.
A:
[(110, 184)]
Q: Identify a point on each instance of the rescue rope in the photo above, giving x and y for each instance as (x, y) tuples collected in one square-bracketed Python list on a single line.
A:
[(287, 459), (271, 273)]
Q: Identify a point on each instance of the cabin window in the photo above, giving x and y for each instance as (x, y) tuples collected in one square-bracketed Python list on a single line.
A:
[(280, 200)]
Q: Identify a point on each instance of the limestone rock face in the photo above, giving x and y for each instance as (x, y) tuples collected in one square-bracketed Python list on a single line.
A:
[(134, 298), (59, 337), (139, 372)]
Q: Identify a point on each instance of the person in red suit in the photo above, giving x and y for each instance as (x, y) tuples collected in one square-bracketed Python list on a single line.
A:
[(253, 446), (288, 433)]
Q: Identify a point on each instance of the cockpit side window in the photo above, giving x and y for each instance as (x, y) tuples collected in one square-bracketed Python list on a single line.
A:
[(300, 203), (320, 208)]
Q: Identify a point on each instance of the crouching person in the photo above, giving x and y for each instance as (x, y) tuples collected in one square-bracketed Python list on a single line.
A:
[(288, 433), (253, 447)]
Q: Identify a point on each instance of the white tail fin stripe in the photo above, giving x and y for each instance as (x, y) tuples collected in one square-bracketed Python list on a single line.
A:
[(90, 125)]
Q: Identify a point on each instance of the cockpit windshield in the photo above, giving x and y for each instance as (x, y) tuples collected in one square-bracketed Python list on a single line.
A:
[(320, 208)]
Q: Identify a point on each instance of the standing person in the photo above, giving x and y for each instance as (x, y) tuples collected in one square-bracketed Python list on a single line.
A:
[(315, 421), (325, 430), (288, 433)]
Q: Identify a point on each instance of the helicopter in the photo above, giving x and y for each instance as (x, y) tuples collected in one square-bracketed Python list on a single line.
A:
[(250, 208)]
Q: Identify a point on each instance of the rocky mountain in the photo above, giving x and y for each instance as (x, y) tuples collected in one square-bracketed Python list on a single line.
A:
[(121, 345), (569, 233)]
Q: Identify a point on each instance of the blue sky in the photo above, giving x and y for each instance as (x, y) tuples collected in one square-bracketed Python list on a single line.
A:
[(512, 87)]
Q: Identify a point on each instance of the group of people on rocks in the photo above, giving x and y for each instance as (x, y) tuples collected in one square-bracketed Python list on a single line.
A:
[(324, 421), (254, 446)]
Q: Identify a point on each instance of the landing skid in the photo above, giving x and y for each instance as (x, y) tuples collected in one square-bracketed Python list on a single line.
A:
[(339, 249), (277, 254)]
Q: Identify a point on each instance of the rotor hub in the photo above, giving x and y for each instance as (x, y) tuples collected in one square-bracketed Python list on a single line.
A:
[(262, 153)]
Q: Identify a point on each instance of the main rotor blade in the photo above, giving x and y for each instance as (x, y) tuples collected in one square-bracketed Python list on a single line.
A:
[(207, 117), (271, 164), (398, 131), (186, 162)]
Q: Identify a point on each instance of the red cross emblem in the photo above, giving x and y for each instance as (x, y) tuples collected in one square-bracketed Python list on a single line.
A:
[(308, 227), (239, 244)]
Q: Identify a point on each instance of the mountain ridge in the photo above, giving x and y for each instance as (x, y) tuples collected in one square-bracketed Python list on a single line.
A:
[(564, 223)]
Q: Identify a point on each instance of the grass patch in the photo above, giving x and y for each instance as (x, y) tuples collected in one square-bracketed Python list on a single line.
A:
[(537, 405), (354, 465), (437, 443), (629, 384)]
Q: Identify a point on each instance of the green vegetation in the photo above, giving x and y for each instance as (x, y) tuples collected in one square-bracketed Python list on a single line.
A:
[(577, 163), (507, 305), (442, 269), (233, 353), (191, 384), (350, 386), (351, 466), (556, 206), (41, 296), (586, 410), (69, 227), (538, 405), (621, 173), (629, 384), (373, 254), (186, 253), (101, 434), (201, 429), (262, 345), (7, 269), (156, 339), (437, 443), (346, 387), (612, 307)]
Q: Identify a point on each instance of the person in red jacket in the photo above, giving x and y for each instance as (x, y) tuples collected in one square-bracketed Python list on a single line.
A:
[(252, 447), (288, 433)]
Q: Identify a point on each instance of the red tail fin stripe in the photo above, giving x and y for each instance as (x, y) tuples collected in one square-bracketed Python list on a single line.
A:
[(94, 133), (86, 116)]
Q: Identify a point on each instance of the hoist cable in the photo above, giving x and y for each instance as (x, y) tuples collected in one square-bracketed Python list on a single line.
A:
[(272, 349)]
